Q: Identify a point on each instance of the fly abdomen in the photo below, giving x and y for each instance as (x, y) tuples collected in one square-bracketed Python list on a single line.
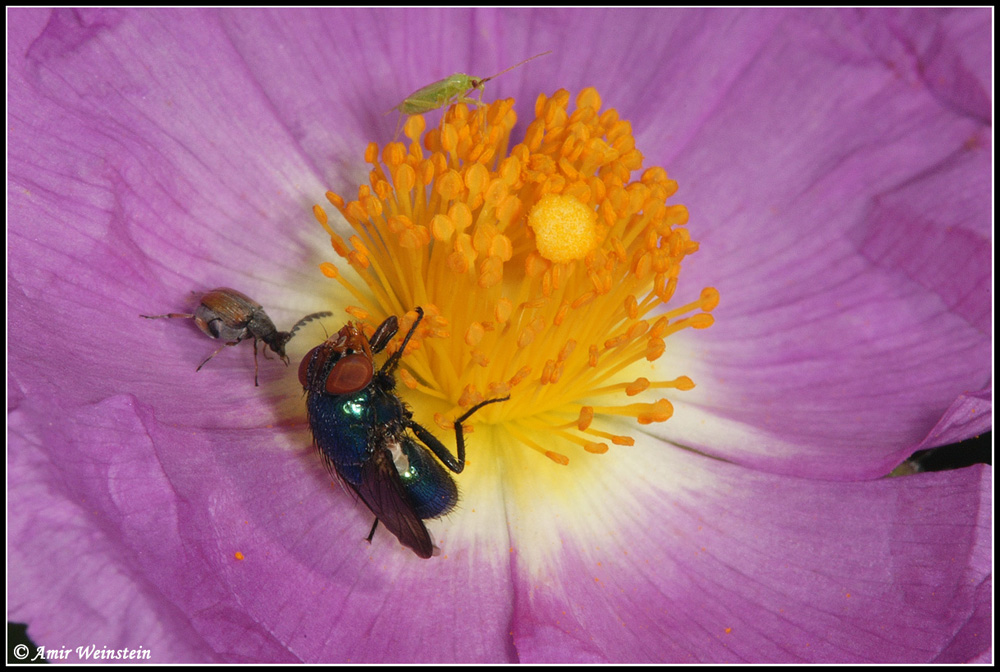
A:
[(431, 489)]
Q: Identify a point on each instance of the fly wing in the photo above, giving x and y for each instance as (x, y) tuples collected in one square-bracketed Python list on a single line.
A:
[(382, 491)]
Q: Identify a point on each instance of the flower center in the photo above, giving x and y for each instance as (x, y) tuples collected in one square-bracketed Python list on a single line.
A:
[(565, 229), (543, 270)]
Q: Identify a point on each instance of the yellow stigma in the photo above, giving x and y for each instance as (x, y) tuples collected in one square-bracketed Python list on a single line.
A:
[(543, 270), (565, 229)]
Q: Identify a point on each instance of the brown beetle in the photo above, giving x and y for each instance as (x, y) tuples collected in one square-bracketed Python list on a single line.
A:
[(232, 316)]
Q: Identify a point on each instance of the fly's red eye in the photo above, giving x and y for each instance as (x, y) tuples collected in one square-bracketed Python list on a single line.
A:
[(350, 374), (304, 366)]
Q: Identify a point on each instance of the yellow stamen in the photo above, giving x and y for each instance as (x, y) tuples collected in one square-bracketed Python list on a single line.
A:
[(543, 269)]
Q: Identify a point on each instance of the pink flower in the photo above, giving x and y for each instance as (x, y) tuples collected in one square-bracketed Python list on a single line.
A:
[(836, 168)]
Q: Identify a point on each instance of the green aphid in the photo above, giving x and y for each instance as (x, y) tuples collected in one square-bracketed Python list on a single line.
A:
[(449, 91)]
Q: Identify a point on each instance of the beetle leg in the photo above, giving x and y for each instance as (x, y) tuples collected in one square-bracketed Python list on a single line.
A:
[(255, 383), (215, 353), (153, 317), (372, 533)]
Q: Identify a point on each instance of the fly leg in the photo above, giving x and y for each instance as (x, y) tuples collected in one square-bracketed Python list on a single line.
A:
[(393, 361), (439, 449)]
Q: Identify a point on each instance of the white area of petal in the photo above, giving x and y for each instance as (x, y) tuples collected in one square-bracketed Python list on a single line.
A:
[(589, 502)]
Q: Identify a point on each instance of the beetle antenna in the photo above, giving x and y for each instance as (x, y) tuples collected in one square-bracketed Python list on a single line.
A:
[(483, 81), (285, 336), (307, 318)]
